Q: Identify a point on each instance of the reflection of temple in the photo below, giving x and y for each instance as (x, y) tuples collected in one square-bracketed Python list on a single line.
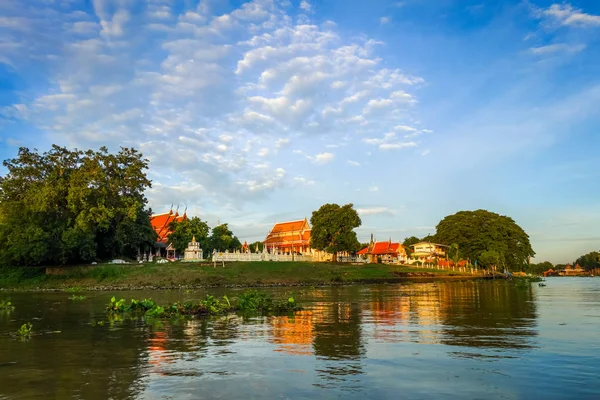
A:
[(294, 333), (160, 223)]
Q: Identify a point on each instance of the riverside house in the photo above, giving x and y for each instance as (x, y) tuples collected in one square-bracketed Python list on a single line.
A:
[(386, 252), (428, 251)]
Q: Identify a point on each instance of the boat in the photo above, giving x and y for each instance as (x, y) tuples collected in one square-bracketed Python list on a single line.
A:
[(541, 284)]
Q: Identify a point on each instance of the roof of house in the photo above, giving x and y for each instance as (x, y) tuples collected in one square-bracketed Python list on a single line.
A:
[(435, 244), (380, 248), (160, 223)]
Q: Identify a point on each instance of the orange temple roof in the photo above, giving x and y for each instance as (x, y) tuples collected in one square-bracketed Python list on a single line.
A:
[(160, 223)]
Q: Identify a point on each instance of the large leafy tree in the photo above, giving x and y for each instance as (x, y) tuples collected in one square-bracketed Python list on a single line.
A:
[(487, 237), (589, 260), (333, 229), (68, 206), (183, 231), (222, 238)]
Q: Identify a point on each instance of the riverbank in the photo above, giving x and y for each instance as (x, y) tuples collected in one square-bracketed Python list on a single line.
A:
[(198, 275)]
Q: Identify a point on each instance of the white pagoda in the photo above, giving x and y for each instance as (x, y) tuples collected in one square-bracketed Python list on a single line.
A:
[(193, 252)]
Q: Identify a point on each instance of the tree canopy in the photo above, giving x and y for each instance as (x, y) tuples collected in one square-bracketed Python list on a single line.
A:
[(589, 261), (221, 239), (486, 237), (333, 229), (183, 231), (66, 206)]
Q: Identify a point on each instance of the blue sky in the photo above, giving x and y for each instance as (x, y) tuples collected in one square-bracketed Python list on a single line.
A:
[(261, 111)]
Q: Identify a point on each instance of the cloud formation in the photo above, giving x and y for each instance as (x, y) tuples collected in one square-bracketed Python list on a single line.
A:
[(218, 102)]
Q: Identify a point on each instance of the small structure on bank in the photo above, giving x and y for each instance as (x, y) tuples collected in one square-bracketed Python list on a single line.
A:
[(573, 271), (386, 252), (193, 251)]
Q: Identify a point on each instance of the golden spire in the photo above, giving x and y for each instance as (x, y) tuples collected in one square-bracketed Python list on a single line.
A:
[(194, 239)]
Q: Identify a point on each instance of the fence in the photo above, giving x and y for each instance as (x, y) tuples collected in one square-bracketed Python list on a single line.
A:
[(259, 257)]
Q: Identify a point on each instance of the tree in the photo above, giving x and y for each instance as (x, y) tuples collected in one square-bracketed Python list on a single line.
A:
[(221, 238), (540, 268), (489, 258), (454, 253), (333, 229), (506, 244), (255, 245), (183, 231), (589, 261), (66, 206)]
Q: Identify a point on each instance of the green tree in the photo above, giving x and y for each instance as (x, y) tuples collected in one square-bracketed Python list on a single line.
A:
[(69, 206), (490, 258), (333, 229), (221, 239), (539, 268), (183, 231), (589, 261), (476, 232), (454, 253), (254, 245)]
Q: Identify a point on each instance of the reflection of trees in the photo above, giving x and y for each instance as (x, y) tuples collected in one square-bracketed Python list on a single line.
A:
[(497, 315), (338, 334), (337, 340)]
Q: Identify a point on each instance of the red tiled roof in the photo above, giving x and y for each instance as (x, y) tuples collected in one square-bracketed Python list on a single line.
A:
[(380, 248), (160, 224)]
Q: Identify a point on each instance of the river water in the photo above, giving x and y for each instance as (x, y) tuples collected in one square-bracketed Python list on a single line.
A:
[(467, 340)]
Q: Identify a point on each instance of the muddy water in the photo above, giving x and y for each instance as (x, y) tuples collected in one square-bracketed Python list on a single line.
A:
[(468, 340)]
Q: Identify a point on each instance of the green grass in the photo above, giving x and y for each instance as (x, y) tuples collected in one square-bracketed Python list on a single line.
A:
[(195, 274)]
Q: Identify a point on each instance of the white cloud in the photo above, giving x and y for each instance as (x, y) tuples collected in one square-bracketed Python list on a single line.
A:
[(566, 14), (161, 79), (375, 211), (384, 20), (323, 158), (374, 189), (557, 48), (305, 6), (389, 142), (282, 142)]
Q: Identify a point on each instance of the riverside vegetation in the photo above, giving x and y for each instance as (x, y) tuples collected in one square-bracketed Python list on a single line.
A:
[(251, 301)]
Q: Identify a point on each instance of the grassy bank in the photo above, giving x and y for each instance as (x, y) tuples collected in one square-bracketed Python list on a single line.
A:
[(236, 274)]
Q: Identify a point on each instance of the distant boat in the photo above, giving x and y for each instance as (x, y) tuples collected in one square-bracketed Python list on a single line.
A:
[(541, 284)]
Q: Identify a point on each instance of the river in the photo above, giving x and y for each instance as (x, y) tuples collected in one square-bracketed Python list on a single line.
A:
[(467, 340)]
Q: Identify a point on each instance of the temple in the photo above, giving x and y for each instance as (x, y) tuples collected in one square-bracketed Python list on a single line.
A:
[(161, 225), (385, 252), (289, 237)]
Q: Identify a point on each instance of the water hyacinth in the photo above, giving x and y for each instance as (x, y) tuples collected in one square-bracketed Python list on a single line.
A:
[(251, 301)]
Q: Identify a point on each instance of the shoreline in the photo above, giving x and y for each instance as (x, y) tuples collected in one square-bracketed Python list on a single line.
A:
[(116, 287)]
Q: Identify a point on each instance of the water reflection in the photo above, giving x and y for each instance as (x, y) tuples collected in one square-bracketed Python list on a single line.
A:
[(348, 342)]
